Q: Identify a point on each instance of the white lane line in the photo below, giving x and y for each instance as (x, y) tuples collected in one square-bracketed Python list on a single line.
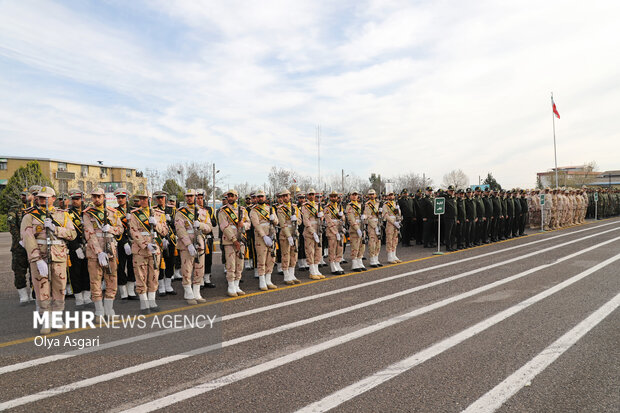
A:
[(380, 377), (497, 396), (392, 370), (116, 343), (202, 350)]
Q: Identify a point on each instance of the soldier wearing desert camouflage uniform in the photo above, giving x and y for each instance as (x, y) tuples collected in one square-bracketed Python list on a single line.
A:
[(264, 221), (191, 223), (334, 223), (357, 219), (48, 261), (101, 227), (392, 218), (312, 214), (288, 216), (372, 211), (148, 230), (234, 222), (78, 271)]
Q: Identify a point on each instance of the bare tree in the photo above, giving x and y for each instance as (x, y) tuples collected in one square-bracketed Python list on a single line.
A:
[(410, 181), (154, 179), (457, 178)]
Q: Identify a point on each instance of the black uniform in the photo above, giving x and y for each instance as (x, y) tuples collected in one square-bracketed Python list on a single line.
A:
[(488, 214), (78, 271), (428, 217), (407, 209), (449, 221), (470, 221)]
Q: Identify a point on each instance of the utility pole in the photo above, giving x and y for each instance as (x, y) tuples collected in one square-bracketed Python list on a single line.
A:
[(343, 181)]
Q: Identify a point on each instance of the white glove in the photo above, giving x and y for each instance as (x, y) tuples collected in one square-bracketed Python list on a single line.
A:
[(191, 249), (338, 236), (152, 248), (363, 217), (340, 213), (168, 217), (79, 253), (359, 233), (272, 217), (290, 241), (164, 243), (196, 224), (21, 243), (316, 237), (378, 231), (49, 224), (42, 267), (320, 214), (103, 259), (127, 248), (152, 220), (293, 218), (380, 209), (397, 225), (268, 241), (398, 207), (105, 228)]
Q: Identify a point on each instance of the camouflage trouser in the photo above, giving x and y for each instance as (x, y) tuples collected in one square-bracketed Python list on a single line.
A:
[(19, 265), (374, 243), (335, 248), (234, 264), (146, 275), (313, 250), (263, 257), (357, 248), (50, 292), (288, 254), (192, 271), (96, 274), (391, 237)]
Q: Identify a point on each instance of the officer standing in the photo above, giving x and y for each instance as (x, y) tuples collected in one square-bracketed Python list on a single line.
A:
[(101, 225), (78, 271), (19, 256), (461, 217), (450, 216), (407, 210), (393, 218), (210, 248), (168, 245), (44, 231), (288, 216), (334, 223), (356, 219), (428, 217), (126, 277), (312, 214), (373, 214), (471, 218)]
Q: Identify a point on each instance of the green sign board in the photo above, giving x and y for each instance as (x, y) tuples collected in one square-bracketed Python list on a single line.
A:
[(440, 206), (542, 199), (596, 197)]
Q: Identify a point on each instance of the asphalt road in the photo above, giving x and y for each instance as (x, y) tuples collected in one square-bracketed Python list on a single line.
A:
[(526, 325)]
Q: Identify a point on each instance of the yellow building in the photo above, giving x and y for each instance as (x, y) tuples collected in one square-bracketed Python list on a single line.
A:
[(66, 175)]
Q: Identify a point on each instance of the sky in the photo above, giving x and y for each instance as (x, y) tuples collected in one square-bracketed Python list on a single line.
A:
[(397, 86)]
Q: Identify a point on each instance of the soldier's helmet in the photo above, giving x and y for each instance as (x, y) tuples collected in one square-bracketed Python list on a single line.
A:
[(200, 191), (451, 188), (429, 188), (121, 192), (285, 192), (160, 194), (141, 193), (34, 189), (97, 191), (231, 192), (311, 191), (372, 192), (260, 192), (76, 193), (189, 192)]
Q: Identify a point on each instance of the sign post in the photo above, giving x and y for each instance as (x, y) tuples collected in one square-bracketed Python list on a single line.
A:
[(440, 207), (595, 206), (542, 212)]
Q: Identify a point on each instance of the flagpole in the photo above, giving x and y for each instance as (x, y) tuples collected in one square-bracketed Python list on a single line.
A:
[(555, 151)]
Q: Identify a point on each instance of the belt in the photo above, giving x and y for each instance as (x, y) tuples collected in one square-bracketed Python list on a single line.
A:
[(190, 231), (100, 235), (145, 233), (54, 242)]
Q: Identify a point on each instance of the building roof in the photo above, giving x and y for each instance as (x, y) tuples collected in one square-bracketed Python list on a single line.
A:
[(64, 161)]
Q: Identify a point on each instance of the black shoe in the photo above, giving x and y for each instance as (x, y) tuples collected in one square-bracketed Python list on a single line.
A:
[(209, 285), (335, 272), (280, 272), (379, 264), (364, 269), (145, 311), (363, 258), (344, 262), (160, 294), (133, 297), (358, 270), (154, 309), (374, 266), (340, 272), (322, 265), (171, 292)]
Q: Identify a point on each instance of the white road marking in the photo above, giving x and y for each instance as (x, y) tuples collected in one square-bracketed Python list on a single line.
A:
[(380, 377), (393, 370), (121, 342), (497, 396)]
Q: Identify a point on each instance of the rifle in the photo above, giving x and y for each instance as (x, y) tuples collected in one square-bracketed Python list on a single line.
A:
[(48, 239), (197, 232), (320, 227), (363, 225), (153, 236), (241, 236), (273, 233), (295, 229), (106, 246)]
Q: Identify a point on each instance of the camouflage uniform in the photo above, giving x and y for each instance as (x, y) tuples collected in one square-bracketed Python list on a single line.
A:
[(188, 221), (372, 211), (334, 223), (355, 217), (49, 279), (101, 249), (312, 215), (233, 221), (147, 227), (391, 214), (264, 220), (289, 216)]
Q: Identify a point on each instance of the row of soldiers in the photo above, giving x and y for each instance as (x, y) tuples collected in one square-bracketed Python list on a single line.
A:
[(138, 250)]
